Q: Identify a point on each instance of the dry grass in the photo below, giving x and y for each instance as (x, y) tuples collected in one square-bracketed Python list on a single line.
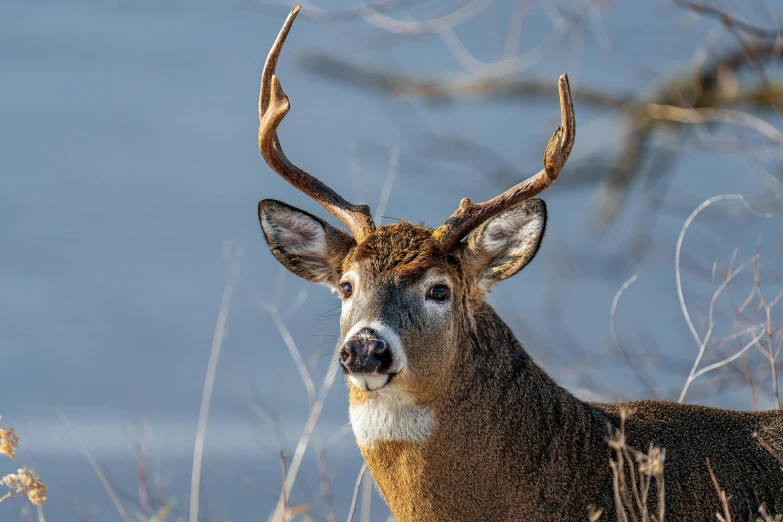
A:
[(23, 483), (9, 441), (633, 474), (636, 474)]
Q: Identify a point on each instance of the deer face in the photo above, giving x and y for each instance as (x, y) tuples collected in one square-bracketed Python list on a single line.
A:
[(406, 301)]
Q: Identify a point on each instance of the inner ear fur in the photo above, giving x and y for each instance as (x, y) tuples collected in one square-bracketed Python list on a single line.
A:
[(306, 245), (502, 246)]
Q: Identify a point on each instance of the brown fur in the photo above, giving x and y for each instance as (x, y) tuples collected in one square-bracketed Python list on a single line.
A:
[(401, 250), (509, 444)]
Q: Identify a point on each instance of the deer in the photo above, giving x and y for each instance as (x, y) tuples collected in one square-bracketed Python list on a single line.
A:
[(454, 419)]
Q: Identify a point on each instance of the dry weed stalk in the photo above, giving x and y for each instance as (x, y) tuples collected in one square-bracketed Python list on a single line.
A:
[(771, 349), (290, 512), (209, 382), (766, 517), (23, 483), (765, 445), (724, 499), (355, 497), (757, 308), (8, 441), (757, 329), (633, 474)]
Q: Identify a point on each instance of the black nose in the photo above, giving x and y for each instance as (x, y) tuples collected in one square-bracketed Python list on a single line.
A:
[(365, 352)]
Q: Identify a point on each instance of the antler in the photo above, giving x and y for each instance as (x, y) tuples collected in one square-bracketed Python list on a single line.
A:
[(470, 215), (273, 105)]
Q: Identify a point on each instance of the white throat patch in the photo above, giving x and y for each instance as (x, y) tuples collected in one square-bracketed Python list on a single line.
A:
[(389, 415)]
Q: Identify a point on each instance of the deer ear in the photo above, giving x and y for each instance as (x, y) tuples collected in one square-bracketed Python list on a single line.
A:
[(502, 246), (307, 246)]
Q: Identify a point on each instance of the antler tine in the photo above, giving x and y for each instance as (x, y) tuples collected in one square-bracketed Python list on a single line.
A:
[(470, 215), (273, 105)]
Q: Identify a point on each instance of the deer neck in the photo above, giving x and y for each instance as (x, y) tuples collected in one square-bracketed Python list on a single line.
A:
[(502, 433)]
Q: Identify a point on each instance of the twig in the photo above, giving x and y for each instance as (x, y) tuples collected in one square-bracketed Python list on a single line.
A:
[(730, 21), (98, 471), (293, 350), (435, 25), (761, 73), (764, 444), (435, 88), (315, 402), (366, 499), (613, 331), (310, 425), (323, 474), (723, 362), (209, 382), (705, 114), (769, 353), (315, 13), (141, 471), (355, 498), (721, 495), (514, 31), (285, 488), (388, 183), (678, 251)]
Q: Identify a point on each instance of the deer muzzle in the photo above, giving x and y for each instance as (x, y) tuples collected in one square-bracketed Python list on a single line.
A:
[(368, 359), (365, 353)]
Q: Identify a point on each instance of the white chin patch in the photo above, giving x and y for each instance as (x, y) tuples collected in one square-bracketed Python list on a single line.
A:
[(369, 382), (390, 415)]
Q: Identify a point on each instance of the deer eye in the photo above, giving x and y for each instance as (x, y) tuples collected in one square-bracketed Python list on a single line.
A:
[(438, 293), (347, 290)]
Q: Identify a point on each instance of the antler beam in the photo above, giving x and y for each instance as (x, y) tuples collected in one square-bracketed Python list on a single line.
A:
[(273, 105), (470, 215)]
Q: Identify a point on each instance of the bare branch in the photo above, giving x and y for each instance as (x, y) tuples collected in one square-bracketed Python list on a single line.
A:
[(209, 383), (678, 251), (721, 495), (388, 183), (764, 444), (355, 498), (707, 114), (98, 472), (613, 331), (285, 482), (703, 344), (730, 21), (435, 25), (434, 88)]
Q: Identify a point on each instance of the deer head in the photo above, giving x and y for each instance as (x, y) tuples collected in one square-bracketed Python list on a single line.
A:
[(407, 291)]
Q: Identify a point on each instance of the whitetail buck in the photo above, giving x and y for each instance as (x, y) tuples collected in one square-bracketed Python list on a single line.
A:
[(454, 419)]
